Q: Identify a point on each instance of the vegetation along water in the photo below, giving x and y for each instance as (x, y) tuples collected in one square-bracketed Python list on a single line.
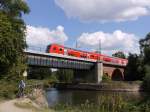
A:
[(97, 101)]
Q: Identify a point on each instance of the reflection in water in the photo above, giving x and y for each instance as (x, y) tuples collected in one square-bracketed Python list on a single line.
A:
[(76, 97)]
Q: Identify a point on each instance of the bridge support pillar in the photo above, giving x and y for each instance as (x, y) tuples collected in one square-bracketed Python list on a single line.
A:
[(99, 72), (93, 75)]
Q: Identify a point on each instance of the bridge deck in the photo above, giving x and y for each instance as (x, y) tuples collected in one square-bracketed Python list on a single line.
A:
[(31, 52)]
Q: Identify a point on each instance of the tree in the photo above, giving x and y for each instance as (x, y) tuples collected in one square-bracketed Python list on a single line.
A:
[(134, 69), (146, 82), (39, 73), (119, 54), (145, 54), (14, 8), (12, 36), (65, 75), (144, 43), (145, 49)]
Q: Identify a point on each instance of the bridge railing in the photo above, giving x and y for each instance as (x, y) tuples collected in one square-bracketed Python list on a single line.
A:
[(35, 48)]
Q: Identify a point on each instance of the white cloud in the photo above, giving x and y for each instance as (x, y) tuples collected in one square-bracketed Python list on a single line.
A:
[(41, 36), (110, 42), (105, 10)]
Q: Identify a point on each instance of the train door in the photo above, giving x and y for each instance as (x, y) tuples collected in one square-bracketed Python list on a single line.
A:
[(65, 51)]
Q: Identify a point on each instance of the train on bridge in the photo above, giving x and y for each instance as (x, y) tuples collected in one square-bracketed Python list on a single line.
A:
[(59, 49)]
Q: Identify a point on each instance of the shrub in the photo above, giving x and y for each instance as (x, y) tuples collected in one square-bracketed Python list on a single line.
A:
[(106, 78), (146, 81), (114, 103), (8, 90)]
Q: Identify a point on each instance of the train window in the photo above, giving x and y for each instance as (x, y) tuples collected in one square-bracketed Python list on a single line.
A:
[(92, 56), (61, 49), (54, 48), (82, 56)]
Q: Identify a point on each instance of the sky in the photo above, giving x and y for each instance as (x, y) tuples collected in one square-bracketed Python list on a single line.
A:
[(117, 24)]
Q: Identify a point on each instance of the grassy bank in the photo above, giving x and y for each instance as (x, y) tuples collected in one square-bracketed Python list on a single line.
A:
[(34, 91), (9, 89), (132, 86), (114, 103)]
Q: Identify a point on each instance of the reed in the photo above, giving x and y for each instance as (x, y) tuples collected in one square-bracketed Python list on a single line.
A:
[(114, 103)]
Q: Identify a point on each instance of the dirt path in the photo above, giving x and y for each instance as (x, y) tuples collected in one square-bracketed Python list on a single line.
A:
[(9, 106)]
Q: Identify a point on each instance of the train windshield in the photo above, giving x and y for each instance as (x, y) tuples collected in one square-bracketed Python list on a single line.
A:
[(48, 48)]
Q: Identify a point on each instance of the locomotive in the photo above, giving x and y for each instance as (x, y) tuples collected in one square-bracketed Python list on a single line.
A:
[(60, 49)]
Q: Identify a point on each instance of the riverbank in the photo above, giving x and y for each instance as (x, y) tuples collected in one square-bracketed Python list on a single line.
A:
[(97, 101), (21, 105), (104, 86), (37, 102), (33, 102)]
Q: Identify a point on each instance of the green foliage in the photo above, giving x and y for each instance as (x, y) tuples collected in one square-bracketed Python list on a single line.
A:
[(14, 8), (12, 44), (146, 82), (39, 73), (134, 69), (145, 42), (145, 49), (33, 83), (12, 33), (44, 75), (8, 89), (114, 103), (147, 55), (7, 47), (119, 54), (53, 78), (106, 78), (65, 75)]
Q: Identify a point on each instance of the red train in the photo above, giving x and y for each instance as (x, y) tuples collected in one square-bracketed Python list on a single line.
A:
[(59, 49)]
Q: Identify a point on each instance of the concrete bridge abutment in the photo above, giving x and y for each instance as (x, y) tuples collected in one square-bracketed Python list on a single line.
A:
[(93, 75)]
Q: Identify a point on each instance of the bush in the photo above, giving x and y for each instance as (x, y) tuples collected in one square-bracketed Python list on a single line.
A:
[(8, 90), (114, 103), (106, 78), (146, 81)]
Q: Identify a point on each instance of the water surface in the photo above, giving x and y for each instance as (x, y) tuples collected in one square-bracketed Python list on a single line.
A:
[(77, 97)]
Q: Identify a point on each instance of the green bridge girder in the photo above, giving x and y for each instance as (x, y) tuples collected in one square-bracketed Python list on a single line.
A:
[(57, 62)]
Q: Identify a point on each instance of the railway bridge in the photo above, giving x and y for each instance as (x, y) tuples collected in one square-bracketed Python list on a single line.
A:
[(87, 69)]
